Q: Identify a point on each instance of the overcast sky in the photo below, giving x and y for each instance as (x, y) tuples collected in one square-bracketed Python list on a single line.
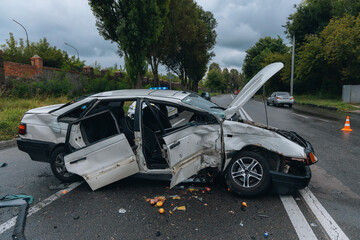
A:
[(241, 23)]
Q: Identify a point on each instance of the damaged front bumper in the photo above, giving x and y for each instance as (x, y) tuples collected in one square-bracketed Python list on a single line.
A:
[(287, 183)]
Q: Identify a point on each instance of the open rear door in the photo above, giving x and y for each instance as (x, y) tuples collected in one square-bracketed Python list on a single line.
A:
[(107, 155)]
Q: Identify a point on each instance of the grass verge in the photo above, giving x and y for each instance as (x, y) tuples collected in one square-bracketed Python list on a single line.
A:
[(317, 101)]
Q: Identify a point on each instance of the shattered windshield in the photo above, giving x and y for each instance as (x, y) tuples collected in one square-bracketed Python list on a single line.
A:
[(197, 101)]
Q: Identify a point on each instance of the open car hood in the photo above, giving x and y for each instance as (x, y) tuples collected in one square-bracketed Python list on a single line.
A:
[(252, 87)]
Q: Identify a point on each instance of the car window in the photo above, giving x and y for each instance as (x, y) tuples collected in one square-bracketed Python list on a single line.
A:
[(79, 111), (283, 94), (197, 101)]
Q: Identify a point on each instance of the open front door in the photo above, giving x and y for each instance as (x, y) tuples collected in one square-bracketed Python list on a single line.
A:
[(104, 156)]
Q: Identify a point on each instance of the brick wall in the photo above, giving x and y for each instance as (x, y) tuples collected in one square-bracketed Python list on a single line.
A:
[(2, 72), (12, 69)]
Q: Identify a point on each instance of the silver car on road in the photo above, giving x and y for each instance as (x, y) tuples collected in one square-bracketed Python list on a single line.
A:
[(280, 99)]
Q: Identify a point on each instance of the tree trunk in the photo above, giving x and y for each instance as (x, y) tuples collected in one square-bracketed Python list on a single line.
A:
[(139, 81)]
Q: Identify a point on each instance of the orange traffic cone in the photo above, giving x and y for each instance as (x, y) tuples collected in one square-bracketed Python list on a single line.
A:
[(347, 125)]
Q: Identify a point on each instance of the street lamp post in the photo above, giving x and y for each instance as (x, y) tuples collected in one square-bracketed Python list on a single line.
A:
[(27, 37), (292, 68), (73, 48)]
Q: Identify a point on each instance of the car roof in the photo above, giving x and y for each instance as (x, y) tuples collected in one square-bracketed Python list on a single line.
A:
[(178, 95)]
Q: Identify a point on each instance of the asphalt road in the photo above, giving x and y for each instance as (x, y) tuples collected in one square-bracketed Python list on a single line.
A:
[(83, 214)]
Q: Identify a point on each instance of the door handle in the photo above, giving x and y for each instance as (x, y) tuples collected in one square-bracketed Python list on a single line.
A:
[(175, 145), (77, 160)]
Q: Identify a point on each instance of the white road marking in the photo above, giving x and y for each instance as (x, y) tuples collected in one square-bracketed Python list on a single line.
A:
[(34, 209), (297, 219), (300, 115), (178, 122), (327, 222), (232, 97)]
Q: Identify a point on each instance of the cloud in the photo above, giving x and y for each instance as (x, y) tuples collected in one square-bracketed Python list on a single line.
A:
[(240, 25)]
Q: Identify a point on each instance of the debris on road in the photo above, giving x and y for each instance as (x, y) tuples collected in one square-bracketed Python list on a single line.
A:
[(241, 223), (158, 234), (229, 189), (122, 210), (181, 208), (198, 198), (313, 224), (159, 204), (243, 206), (64, 192), (266, 234), (3, 164), (231, 212), (161, 210), (263, 215), (27, 198)]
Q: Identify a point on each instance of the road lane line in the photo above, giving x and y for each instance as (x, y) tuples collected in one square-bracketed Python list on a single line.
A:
[(297, 219), (232, 97), (178, 122), (300, 115), (327, 222), (34, 209)]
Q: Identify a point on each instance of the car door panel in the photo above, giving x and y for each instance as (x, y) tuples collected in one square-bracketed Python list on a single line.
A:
[(104, 162), (188, 147)]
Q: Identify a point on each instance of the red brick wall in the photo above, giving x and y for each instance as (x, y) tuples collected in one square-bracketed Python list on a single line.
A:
[(12, 69)]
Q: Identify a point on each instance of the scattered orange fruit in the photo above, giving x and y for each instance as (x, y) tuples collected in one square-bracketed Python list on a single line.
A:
[(161, 210), (64, 192), (244, 204), (208, 189), (159, 204), (229, 190), (152, 201)]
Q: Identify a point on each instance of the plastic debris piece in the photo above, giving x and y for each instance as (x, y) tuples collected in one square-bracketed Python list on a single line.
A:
[(266, 234), (161, 210), (241, 223), (313, 224), (161, 198), (181, 208), (205, 204), (64, 192), (148, 200), (152, 201), (198, 198), (171, 212), (159, 204), (3, 165), (231, 212), (27, 198), (263, 216), (297, 199), (174, 209), (122, 210)]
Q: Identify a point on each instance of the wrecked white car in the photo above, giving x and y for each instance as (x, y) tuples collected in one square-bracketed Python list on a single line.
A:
[(93, 138)]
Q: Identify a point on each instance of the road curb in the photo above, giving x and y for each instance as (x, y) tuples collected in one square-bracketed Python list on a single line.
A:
[(7, 144)]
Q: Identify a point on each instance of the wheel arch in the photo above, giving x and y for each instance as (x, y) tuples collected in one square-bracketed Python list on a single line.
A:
[(271, 157)]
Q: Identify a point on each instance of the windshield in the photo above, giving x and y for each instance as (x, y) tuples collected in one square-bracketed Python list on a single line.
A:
[(197, 101), (71, 102)]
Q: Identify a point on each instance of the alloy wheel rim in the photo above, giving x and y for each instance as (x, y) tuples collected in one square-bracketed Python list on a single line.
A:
[(60, 166), (247, 172)]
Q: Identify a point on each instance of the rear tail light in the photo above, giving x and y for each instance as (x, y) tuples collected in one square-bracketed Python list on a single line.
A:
[(278, 98), (22, 129), (292, 98)]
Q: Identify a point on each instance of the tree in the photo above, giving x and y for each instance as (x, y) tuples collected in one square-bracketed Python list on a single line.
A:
[(331, 59), (52, 57), (133, 26), (237, 80), (256, 54), (190, 37), (213, 80), (312, 16)]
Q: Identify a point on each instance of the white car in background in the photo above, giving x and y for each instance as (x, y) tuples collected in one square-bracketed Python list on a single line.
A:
[(94, 139)]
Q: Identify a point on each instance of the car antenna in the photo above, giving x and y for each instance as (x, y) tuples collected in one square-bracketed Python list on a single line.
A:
[(263, 96)]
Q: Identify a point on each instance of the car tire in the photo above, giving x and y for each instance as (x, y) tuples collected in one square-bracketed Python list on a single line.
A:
[(248, 174), (290, 105), (57, 165), (267, 103)]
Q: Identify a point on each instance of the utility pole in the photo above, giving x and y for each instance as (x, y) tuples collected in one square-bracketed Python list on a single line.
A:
[(292, 67), (73, 48)]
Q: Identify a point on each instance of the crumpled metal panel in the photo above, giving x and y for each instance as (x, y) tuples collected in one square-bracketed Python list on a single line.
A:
[(237, 135)]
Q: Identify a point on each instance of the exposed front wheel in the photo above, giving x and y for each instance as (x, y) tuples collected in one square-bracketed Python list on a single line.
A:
[(290, 105), (58, 168), (248, 174)]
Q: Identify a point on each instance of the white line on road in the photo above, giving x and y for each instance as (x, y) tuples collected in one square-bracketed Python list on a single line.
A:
[(300, 115), (232, 97), (297, 219), (10, 223), (178, 122), (328, 223)]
